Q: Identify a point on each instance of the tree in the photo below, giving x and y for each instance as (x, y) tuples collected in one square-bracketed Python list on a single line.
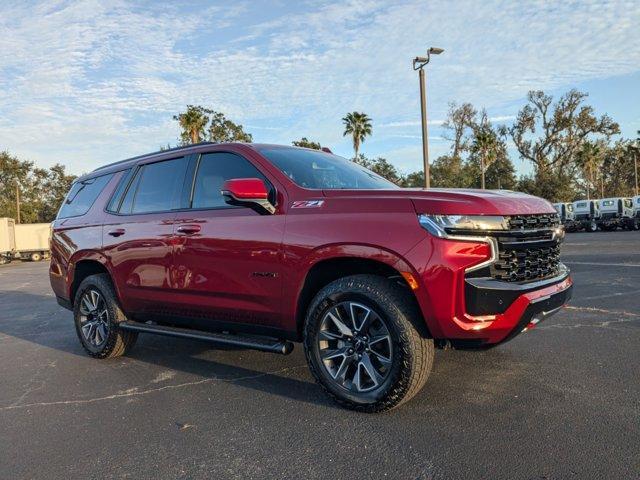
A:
[(358, 125), (460, 120), (304, 142), (55, 186), (197, 120), (485, 145), (589, 161), (448, 171), (193, 123), (224, 130), (414, 180), (41, 190), (382, 167), (618, 169), (501, 174), (550, 135)]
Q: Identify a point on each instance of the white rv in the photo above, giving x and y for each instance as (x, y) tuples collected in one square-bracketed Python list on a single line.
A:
[(587, 214), (617, 212), (567, 216)]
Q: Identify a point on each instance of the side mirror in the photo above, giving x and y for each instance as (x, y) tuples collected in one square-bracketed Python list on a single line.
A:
[(247, 191)]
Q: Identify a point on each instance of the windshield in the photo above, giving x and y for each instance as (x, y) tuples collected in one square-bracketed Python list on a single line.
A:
[(321, 170)]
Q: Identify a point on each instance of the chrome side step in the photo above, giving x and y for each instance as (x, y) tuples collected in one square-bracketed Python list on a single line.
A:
[(263, 344)]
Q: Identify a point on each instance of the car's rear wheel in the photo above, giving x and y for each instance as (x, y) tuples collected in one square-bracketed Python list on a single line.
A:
[(96, 315), (365, 345)]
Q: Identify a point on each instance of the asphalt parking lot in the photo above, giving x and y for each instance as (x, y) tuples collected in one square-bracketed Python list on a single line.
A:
[(561, 401)]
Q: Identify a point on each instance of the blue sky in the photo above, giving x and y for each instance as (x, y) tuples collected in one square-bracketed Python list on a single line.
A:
[(89, 82)]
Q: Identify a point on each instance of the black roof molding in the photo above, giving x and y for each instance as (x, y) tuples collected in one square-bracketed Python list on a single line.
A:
[(159, 152)]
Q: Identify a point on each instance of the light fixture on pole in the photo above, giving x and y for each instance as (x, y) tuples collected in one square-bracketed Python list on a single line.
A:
[(418, 64)]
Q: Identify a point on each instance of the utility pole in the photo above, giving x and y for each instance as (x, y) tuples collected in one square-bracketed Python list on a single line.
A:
[(17, 202), (635, 167), (635, 159), (418, 64)]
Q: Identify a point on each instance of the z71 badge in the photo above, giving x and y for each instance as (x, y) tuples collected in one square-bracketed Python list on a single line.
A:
[(307, 204)]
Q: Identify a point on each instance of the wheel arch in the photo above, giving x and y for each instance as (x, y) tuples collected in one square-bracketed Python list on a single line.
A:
[(83, 265), (348, 260)]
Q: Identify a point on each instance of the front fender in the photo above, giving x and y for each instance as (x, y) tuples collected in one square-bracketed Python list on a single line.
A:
[(299, 270)]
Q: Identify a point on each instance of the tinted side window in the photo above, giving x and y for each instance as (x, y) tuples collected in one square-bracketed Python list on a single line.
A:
[(112, 206), (213, 170), (127, 202), (156, 187), (82, 196)]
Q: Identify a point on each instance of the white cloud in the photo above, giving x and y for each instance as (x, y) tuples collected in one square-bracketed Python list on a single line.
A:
[(87, 82)]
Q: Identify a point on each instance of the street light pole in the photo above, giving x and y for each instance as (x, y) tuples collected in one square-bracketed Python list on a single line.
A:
[(425, 128), (418, 64)]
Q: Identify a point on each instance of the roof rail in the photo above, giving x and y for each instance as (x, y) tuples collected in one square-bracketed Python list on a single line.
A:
[(168, 150)]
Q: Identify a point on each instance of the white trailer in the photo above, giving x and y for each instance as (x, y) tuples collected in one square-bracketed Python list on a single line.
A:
[(7, 240), (567, 216), (587, 214), (32, 241), (636, 206), (617, 212), (25, 241)]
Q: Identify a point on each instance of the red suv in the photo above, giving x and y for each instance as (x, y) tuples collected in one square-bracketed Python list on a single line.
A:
[(258, 246)]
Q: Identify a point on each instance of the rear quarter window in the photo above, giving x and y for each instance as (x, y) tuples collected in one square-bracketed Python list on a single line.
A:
[(82, 196)]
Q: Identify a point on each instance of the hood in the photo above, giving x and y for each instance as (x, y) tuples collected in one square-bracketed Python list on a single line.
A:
[(453, 201)]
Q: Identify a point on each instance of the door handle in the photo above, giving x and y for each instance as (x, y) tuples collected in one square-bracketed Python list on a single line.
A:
[(117, 232), (188, 229)]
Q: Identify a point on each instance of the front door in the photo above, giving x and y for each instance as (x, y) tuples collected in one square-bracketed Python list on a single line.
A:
[(228, 259)]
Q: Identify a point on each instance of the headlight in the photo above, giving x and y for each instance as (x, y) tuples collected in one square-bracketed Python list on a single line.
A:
[(441, 225)]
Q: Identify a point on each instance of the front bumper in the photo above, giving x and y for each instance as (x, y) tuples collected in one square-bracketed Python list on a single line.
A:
[(495, 311), (529, 308), (488, 296)]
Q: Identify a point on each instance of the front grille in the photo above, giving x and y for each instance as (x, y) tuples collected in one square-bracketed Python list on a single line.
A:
[(533, 222), (528, 251), (526, 264)]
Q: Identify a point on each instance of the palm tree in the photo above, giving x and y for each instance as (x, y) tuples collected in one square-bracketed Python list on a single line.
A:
[(193, 123), (588, 158), (485, 144), (359, 126)]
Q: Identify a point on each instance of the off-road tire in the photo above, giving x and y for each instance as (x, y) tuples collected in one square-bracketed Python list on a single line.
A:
[(118, 341), (412, 346)]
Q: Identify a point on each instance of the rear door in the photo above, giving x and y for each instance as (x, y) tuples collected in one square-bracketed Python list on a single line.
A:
[(228, 259), (138, 230)]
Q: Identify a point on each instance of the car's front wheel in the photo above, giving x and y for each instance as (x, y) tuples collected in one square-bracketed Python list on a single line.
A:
[(97, 314), (365, 345)]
